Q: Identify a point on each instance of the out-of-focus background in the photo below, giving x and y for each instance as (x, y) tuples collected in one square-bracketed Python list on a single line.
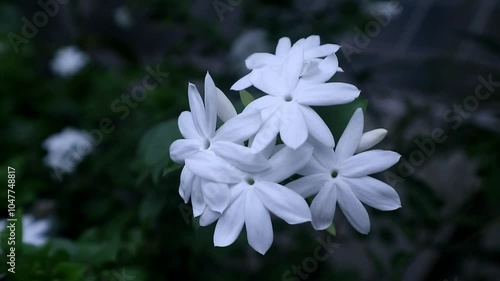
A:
[(89, 90)]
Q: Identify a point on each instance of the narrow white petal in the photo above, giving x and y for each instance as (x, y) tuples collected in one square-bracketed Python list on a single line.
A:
[(258, 223), (286, 162), (211, 101), (326, 94), (311, 42), (268, 81), (239, 128), (242, 84), (313, 167), (240, 156), (187, 127), (231, 222), (208, 217), (349, 141), (182, 148), (186, 184), (317, 127), (321, 51), (260, 59), (262, 103), (197, 199), (352, 208), (213, 168), (197, 110), (293, 128), (283, 202), (326, 157), (323, 207), (309, 185), (266, 134), (293, 68), (225, 109), (369, 162), (322, 71), (283, 47), (374, 193), (216, 195), (370, 139)]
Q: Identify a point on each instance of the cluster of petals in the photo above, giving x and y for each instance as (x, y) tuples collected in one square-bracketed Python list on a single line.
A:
[(233, 175)]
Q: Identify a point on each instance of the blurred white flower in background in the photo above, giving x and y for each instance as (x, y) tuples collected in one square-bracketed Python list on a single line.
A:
[(67, 148), (248, 43), (122, 17), (68, 61), (34, 231), (383, 8)]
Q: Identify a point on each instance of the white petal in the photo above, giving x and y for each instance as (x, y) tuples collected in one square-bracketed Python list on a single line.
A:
[(326, 157), (374, 193), (213, 168), (323, 207), (257, 223), (370, 139), (197, 110), (311, 42), (369, 162), (322, 71), (326, 94), (208, 217), (283, 202), (266, 134), (229, 226), (225, 109), (239, 128), (187, 127), (283, 47), (293, 68), (216, 195), (268, 81), (240, 156), (293, 128), (352, 208), (261, 103), (313, 167), (261, 59), (308, 185), (286, 162), (321, 51), (197, 199), (186, 184), (211, 101), (242, 84), (317, 127), (182, 148), (351, 137)]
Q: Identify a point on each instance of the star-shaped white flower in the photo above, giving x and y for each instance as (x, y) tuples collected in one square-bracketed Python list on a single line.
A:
[(312, 68), (198, 128), (286, 110), (254, 196), (340, 176)]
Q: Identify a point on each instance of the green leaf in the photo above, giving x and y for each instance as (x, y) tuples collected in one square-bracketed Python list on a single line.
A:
[(69, 271), (331, 229), (246, 97), (337, 116)]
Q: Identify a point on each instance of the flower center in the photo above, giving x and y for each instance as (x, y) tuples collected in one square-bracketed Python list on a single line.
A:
[(206, 144), (250, 181), (288, 98), (335, 173)]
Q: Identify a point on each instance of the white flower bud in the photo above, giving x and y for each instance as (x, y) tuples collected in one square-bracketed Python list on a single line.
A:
[(370, 139)]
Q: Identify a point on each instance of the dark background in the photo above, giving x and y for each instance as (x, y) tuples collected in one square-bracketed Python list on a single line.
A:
[(118, 216)]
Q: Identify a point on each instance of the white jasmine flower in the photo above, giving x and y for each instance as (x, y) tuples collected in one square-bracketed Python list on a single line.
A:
[(254, 195), (340, 176), (68, 61), (65, 150), (286, 110), (34, 231), (198, 127), (312, 67)]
